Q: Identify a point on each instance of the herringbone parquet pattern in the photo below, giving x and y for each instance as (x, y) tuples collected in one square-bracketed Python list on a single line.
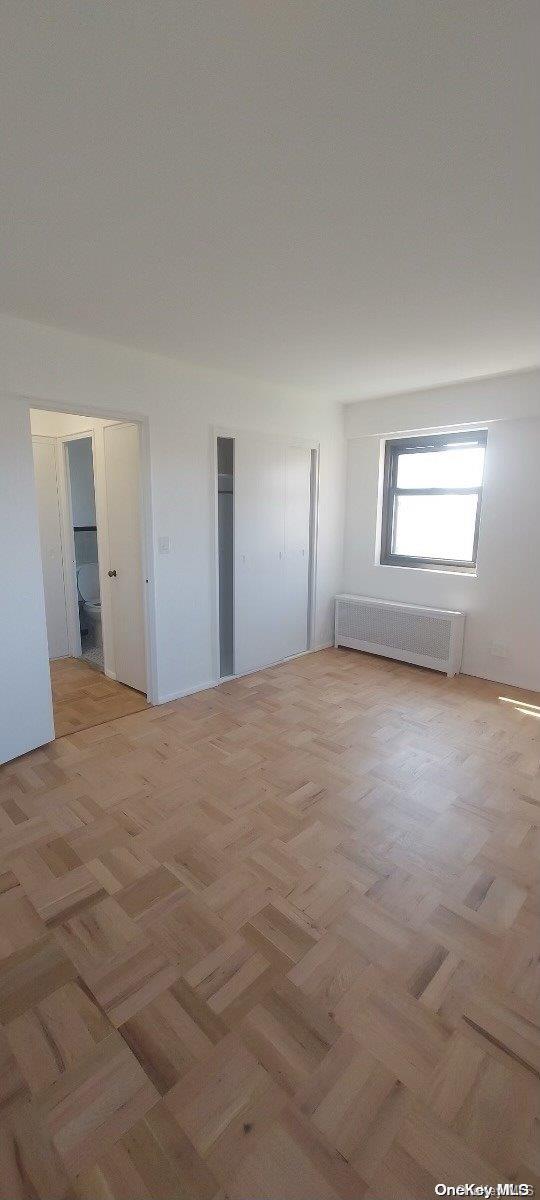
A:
[(279, 939), (84, 697)]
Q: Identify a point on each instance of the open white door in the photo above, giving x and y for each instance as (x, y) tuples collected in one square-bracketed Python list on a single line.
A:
[(26, 718), (125, 579), (50, 536)]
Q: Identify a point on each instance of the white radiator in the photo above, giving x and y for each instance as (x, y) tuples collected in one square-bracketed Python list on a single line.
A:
[(429, 637)]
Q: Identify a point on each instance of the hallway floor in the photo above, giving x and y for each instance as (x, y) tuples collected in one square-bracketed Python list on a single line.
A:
[(84, 697), (277, 939)]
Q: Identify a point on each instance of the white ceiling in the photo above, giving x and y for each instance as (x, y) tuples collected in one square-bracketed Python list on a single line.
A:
[(341, 196)]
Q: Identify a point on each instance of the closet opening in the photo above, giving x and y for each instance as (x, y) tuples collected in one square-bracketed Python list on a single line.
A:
[(266, 492), (225, 491), (313, 534)]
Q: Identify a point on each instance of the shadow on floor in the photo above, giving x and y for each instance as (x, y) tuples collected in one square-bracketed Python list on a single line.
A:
[(84, 697)]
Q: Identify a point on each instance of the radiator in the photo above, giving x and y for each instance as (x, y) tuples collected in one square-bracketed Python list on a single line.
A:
[(429, 637)]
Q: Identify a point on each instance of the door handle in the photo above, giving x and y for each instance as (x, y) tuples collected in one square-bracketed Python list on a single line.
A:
[(111, 574)]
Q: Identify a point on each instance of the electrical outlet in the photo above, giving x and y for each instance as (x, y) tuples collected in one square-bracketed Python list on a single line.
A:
[(499, 649), (164, 545)]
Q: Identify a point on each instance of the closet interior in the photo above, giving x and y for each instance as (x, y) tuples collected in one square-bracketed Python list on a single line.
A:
[(225, 468)]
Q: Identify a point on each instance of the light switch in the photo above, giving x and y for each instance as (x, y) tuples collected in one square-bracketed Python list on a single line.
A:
[(164, 545)]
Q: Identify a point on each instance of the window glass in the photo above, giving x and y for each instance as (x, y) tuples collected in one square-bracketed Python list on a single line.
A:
[(435, 527), (459, 467)]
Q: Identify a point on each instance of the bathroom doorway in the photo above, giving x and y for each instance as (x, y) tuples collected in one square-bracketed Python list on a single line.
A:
[(87, 474)]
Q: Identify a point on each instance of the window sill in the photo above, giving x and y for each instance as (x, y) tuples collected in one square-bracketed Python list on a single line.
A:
[(463, 572)]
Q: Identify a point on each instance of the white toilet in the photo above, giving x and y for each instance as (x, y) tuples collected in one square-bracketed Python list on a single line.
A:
[(88, 585)]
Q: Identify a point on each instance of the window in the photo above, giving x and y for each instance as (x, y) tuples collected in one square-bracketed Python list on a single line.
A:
[(432, 498)]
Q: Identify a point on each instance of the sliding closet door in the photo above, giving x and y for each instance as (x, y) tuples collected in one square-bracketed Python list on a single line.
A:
[(271, 512), (296, 556), (258, 534)]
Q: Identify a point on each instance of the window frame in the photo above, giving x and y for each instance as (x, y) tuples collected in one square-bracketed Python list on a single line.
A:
[(426, 443)]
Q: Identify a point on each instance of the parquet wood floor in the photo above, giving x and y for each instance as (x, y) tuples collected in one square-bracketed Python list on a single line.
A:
[(276, 940), (84, 697)]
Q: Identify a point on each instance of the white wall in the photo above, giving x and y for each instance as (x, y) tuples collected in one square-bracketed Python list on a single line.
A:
[(81, 471), (182, 404), (25, 702), (502, 602), (51, 542), (45, 423)]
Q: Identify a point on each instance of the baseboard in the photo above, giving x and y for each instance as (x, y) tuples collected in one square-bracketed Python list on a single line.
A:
[(213, 683), (199, 687), (109, 674), (278, 663), (312, 650)]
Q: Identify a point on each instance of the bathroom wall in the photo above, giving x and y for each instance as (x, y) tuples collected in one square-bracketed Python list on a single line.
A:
[(81, 470), (83, 504)]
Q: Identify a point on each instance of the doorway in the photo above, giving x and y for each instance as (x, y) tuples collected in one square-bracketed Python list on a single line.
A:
[(82, 503), (88, 485)]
